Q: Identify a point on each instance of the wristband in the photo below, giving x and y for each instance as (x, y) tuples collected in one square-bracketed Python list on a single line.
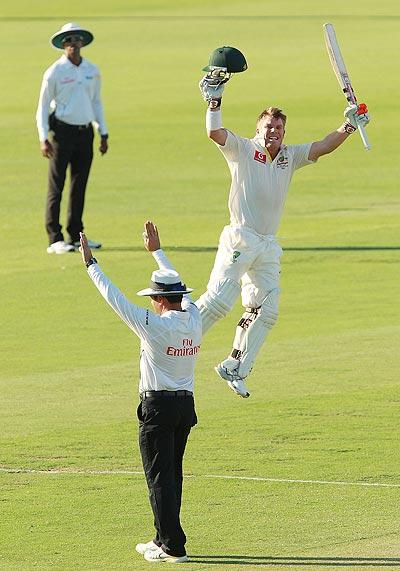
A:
[(90, 262), (105, 137), (214, 104), (213, 120), (348, 127)]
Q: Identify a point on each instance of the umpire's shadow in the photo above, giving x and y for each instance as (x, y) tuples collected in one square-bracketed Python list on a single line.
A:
[(270, 561)]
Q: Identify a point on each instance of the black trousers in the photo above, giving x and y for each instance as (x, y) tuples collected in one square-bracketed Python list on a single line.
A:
[(73, 146), (164, 427)]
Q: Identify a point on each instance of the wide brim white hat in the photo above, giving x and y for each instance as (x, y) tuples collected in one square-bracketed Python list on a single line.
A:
[(70, 29), (165, 283)]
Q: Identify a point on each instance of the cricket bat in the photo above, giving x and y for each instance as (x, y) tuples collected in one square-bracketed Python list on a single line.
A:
[(341, 74)]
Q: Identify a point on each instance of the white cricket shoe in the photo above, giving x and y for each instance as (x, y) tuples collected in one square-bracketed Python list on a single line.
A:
[(60, 247), (143, 547), (158, 556), (234, 380), (91, 243)]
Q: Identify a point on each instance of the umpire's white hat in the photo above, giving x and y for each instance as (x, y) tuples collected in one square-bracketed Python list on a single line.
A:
[(165, 283), (71, 29)]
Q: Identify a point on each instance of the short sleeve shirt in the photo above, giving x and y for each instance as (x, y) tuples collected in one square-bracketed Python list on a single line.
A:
[(259, 186)]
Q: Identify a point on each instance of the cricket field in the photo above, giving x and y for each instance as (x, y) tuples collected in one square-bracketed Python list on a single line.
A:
[(305, 474)]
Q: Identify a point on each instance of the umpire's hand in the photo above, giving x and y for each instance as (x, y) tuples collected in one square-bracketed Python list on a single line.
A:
[(46, 148), (151, 238), (84, 248), (103, 148)]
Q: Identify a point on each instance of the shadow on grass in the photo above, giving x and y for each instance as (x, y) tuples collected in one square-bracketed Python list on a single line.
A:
[(355, 562), (288, 249)]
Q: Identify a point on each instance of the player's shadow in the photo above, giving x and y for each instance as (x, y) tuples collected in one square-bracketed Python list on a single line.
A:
[(287, 249), (270, 561)]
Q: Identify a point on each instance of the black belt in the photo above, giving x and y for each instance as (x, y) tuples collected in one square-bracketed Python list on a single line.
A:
[(77, 127), (150, 394)]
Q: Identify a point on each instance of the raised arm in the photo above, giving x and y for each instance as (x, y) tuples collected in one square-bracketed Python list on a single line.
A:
[(133, 315), (211, 90), (355, 115), (152, 244)]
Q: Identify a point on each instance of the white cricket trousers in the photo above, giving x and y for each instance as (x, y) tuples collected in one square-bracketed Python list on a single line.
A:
[(250, 259)]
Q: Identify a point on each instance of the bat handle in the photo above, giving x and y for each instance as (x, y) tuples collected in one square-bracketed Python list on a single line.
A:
[(364, 137)]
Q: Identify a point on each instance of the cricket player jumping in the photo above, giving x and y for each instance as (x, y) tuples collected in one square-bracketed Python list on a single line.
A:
[(248, 257)]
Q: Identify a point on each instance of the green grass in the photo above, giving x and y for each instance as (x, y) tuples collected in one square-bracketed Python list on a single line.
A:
[(325, 389)]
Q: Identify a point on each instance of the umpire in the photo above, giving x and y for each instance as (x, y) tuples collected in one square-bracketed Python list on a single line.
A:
[(71, 89), (170, 341)]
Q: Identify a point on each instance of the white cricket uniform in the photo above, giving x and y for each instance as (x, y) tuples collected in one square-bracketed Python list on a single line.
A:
[(76, 88), (248, 250), (259, 187), (169, 342)]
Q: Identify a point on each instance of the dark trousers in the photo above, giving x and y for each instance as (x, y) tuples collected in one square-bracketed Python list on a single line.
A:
[(72, 146), (164, 426)]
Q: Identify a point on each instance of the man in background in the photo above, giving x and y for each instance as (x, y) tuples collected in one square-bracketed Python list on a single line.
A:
[(71, 89)]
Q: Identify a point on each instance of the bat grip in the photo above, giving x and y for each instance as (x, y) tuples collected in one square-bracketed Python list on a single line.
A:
[(364, 137)]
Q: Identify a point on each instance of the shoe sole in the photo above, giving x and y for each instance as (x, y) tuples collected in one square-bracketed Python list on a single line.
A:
[(220, 373), (246, 396)]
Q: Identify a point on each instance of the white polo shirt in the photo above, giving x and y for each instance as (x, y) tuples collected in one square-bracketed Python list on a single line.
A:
[(259, 186), (169, 342), (74, 91)]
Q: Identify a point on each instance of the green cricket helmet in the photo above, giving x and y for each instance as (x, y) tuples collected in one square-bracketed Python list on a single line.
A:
[(229, 59)]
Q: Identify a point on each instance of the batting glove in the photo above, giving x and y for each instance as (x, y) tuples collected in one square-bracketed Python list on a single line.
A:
[(356, 115), (211, 88)]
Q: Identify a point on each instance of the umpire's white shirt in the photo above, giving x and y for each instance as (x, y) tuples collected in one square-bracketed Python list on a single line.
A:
[(74, 90), (169, 342), (259, 186)]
